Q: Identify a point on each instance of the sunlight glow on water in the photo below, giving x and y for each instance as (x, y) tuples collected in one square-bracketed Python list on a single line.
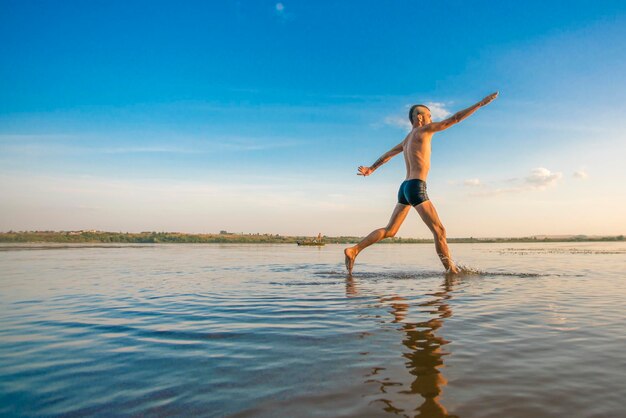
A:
[(279, 330)]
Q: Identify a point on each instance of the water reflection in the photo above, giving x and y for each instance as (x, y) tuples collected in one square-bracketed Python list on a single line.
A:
[(424, 355)]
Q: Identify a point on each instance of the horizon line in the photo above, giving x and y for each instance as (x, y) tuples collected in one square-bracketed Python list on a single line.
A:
[(227, 233)]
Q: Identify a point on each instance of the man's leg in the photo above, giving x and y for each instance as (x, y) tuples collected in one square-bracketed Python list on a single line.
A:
[(397, 217), (431, 219)]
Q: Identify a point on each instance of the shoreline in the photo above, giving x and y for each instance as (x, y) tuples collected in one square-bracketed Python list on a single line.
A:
[(102, 237)]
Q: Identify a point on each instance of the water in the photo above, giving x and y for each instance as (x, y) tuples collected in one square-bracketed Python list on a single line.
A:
[(537, 330)]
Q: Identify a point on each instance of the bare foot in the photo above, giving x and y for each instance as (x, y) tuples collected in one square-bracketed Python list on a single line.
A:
[(350, 254), (453, 270)]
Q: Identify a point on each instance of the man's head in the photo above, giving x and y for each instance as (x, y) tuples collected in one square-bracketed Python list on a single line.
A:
[(419, 115)]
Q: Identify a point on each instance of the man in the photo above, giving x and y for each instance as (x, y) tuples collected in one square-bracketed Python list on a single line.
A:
[(416, 149)]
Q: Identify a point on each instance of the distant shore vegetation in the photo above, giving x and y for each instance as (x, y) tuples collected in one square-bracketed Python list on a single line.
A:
[(93, 236)]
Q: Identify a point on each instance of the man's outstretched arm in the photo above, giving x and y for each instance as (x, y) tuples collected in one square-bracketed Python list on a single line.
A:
[(459, 116), (366, 171)]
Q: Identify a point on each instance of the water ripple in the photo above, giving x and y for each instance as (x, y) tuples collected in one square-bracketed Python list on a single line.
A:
[(252, 330)]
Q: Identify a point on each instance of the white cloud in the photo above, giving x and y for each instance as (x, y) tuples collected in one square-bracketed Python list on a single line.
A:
[(438, 110), (398, 122), (472, 182), (541, 177), (580, 174), (92, 145)]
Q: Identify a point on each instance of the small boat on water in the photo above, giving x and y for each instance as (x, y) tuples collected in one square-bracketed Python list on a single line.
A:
[(319, 242)]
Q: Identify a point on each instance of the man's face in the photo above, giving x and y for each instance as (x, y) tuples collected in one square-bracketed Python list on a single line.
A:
[(427, 118), (425, 114)]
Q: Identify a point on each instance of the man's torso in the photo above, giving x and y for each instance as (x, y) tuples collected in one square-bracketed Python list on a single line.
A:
[(416, 151)]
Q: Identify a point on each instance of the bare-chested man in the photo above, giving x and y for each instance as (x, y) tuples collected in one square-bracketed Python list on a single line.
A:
[(416, 149)]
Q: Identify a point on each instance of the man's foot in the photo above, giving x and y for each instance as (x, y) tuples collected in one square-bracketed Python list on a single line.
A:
[(453, 270), (350, 254)]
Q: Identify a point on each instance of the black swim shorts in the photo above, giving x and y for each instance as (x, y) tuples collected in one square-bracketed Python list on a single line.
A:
[(412, 192)]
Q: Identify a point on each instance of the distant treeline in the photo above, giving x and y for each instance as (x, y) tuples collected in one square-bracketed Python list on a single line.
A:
[(225, 237)]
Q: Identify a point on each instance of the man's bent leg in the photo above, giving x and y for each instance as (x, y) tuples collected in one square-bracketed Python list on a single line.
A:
[(431, 219), (397, 217)]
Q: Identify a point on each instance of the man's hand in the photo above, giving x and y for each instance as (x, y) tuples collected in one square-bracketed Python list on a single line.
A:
[(364, 171), (488, 99)]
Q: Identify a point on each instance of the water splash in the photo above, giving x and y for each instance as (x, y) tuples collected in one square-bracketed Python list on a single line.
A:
[(466, 270)]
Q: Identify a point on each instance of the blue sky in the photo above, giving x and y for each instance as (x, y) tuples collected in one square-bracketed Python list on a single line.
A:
[(252, 116)]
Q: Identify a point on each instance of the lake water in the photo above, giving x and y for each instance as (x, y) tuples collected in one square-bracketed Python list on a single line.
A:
[(537, 330)]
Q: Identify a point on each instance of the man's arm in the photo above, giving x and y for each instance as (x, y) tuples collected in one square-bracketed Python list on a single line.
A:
[(366, 171), (459, 116)]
